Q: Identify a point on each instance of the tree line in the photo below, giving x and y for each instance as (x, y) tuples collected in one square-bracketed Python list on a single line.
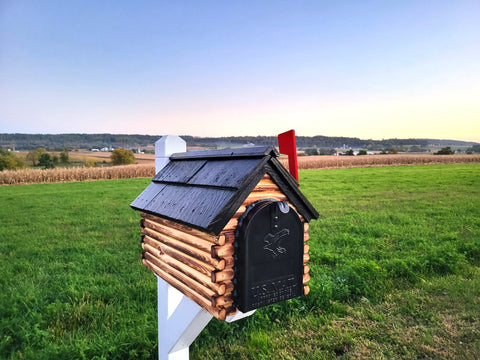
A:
[(58, 142), (40, 158)]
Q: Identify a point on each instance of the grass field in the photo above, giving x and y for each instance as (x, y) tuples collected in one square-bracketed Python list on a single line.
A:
[(395, 266)]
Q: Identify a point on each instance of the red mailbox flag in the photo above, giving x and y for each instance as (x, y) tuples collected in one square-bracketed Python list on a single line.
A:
[(287, 146)]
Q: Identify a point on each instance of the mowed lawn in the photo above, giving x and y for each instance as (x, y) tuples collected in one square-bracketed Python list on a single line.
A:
[(395, 267)]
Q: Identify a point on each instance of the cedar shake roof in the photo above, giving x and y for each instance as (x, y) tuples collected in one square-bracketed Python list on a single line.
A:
[(204, 189)]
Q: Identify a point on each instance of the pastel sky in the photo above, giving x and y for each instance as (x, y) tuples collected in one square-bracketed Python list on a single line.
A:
[(368, 69)]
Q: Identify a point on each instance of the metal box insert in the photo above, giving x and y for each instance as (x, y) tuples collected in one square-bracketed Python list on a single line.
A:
[(269, 255)]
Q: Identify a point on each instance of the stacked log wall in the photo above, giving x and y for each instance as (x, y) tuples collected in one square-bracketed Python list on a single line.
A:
[(190, 260), (200, 265)]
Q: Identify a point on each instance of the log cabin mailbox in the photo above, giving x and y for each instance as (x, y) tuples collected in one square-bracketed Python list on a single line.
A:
[(227, 228)]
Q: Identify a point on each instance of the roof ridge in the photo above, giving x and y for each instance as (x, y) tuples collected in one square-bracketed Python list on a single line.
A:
[(256, 151)]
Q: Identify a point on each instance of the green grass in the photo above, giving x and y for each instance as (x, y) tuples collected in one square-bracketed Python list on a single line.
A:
[(72, 283), (395, 266)]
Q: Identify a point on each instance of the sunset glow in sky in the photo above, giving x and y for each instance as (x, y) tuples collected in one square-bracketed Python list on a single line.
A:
[(368, 69)]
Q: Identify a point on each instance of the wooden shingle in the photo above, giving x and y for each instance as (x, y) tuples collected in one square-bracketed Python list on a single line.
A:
[(204, 189)]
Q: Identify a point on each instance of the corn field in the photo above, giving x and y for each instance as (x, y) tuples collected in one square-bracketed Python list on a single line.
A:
[(35, 176), (326, 162)]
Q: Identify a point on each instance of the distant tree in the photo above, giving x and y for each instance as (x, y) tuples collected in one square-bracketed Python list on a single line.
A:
[(445, 151), (46, 161), (326, 151), (349, 152), (64, 157), (9, 161), (311, 151), (362, 152), (473, 149), (122, 156), (34, 155), (90, 163), (415, 148), (393, 150)]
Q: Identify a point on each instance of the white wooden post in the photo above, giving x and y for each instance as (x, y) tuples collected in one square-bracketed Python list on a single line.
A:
[(180, 320), (166, 146)]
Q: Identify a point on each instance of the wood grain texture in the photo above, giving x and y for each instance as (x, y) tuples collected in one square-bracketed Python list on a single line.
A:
[(224, 173), (229, 286), (198, 206), (187, 280), (224, 275), (220, 252), (306, 226), (231, 225), (179, 171), (184, 229), (306, 248), (306, 236), (205, 303), (222, 301), (255, 196), (231, 310), (229, 237), (203, 279), (306, 269), (185, 248), (198, 265), (306, 278), (229, 262), (183, 237)]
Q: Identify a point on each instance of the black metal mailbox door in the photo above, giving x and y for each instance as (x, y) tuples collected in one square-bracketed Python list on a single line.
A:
[(268, 256)]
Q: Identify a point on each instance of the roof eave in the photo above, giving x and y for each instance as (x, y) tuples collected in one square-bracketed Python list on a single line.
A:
[(289, 186)]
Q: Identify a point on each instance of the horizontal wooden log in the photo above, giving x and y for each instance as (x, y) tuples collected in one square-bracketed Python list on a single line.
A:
[(187, 280), (224, 275), (306, 290), (266, 185), (202, 267), (239, 212), (230, 226), (195, 241), (184, 229), (306, 236), (200, 300), (255, 196), (229, 286), (306, 258), (229, 262), (306, 278), (222, 301), (229, 237), (306, 226), (231, 310), (205, 280), (306, 269), (185, 248), (222, 251)]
